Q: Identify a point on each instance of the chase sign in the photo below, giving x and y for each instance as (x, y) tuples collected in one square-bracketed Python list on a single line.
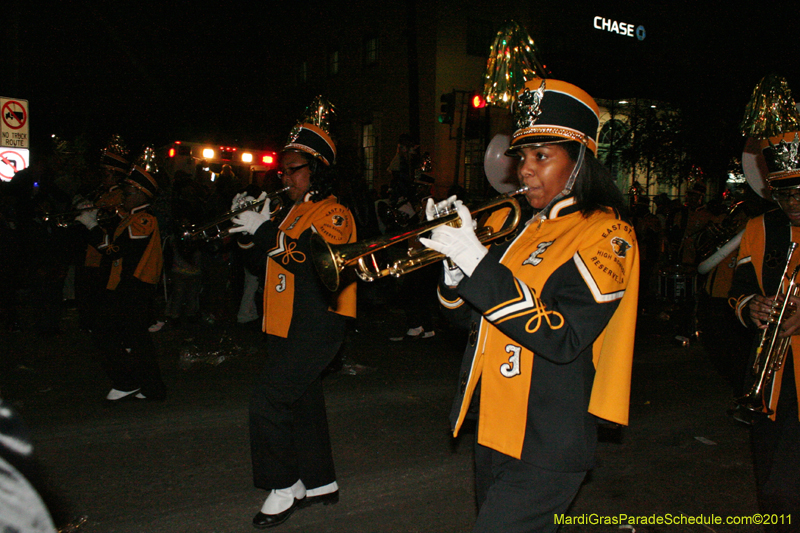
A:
[(620, 28)]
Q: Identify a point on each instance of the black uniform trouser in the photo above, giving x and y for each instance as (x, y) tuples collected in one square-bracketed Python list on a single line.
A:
[(776, 457), (120, 319), (289, 438), (518, 497)]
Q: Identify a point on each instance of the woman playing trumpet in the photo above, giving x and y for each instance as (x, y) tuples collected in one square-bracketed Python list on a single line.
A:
[(761, 274), (305, 325), (551, 315)]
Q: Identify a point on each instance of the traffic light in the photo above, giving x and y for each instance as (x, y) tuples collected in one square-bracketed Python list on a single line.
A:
[(448, 108), (474, 127), (477, 101)]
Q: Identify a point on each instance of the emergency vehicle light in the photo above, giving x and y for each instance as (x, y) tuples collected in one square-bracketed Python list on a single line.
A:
[(171, 152), (247, 157), (268, 159), (208, 153)]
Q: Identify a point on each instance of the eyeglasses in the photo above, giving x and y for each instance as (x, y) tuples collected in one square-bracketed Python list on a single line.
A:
[(290, 170), (785, 196)]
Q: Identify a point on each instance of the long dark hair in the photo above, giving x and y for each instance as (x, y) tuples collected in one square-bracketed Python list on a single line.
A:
[(323, 177), (595, 189)]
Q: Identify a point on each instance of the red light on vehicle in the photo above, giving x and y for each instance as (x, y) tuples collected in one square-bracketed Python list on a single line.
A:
[(171, 152), (478, 101), (268, 159)]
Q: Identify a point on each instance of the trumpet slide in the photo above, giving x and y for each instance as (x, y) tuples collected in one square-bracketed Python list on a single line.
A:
[(772, 349), (331, 259), (220, 226)]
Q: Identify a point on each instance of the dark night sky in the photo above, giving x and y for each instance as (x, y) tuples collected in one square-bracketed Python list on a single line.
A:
[(171, 70), (148, 74)]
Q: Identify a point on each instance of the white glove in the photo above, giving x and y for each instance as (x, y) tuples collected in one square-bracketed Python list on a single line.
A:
[(88, 218), (242, 199), (434, 210), (249, 221), (452, 274), (239, 199), (459, 244)]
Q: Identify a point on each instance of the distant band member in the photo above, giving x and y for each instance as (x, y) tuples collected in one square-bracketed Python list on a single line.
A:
[(131, 263)]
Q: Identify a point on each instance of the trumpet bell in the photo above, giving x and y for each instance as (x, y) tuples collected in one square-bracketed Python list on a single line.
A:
[(326, 262)]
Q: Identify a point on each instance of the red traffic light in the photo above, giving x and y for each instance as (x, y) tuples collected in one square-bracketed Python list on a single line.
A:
[(478, 101)]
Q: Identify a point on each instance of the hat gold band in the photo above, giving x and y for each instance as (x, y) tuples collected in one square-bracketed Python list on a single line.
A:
[(518, 139)]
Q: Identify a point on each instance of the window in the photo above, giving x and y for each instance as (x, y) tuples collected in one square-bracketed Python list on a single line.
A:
[(613, 139), (333, 63), (370, 50), (368, 153), (613, 131), (474, 177), (480, 34)]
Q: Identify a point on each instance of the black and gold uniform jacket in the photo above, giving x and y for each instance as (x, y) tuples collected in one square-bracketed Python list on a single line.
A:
[(292, 288), (132, 251), (552, 316), (759, 267)]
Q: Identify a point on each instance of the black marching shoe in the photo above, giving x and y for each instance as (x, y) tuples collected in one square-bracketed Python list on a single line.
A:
[(263, 521), (280, 499)]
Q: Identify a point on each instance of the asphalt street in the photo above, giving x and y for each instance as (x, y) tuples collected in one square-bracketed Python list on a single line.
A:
[(183, 465)]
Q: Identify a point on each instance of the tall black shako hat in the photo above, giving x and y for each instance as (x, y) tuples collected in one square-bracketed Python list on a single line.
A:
[(311, 134), (548, 111), (142, 180), (114, 162)]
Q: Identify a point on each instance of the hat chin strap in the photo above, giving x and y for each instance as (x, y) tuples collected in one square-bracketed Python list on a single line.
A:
[(567, 190)]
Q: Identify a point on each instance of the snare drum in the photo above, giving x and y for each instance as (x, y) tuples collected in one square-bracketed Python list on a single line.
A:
[(677, 283)]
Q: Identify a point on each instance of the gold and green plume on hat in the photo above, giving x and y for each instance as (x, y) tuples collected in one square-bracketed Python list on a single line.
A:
[(771, 117), (512, 62)]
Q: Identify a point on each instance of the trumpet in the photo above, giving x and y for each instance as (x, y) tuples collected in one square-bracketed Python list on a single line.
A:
[(67, 218), (219, 227), (772, 350), (330, 260)]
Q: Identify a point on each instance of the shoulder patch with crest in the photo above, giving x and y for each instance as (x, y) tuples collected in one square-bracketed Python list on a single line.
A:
[(620, 246)]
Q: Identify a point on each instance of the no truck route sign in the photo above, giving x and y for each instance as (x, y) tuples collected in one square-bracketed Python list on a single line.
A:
[(13, 123)]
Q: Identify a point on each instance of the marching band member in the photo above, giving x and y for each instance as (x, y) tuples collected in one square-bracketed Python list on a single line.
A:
[(131, 263), (551, 315), (775, 434), (305, 326), (108, 197)]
